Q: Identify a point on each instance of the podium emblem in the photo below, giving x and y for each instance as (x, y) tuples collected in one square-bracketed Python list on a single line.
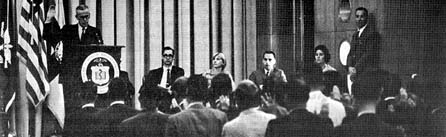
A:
[(99, 67)]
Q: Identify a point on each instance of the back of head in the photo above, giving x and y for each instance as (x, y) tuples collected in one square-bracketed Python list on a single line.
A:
[(151, 97), (88, 95), (297, 92), (246, 94), (197, 88), (313, 75), (331, 79), (368, 86), (117, 89), (179, 87), (221, 84)]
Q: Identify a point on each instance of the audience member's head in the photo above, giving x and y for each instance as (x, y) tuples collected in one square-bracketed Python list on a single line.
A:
[(88, 94), (247, 95), (332, 78), (151, 97), (297, 93), (116, 89), (179, 87), (221, 84), (368, 88), (314, 77), (197, 88)]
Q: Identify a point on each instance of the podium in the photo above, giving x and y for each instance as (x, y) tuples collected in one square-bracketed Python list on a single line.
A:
[(83, 63)]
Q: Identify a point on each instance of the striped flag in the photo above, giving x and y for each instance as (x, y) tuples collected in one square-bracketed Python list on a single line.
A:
[(32, 50)]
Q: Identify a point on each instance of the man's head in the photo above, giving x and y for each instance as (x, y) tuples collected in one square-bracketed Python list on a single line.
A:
[(314, 77), (197, 88), (368, 87), (361, 15), (269, 60), (179, 87), (247, 95), (168, 56), (89, 93), (83, 15), (117, 89), (151, 97)]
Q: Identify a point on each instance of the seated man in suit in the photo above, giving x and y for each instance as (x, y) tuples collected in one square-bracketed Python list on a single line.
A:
[(252, 121), (300, 122), (150, 122), (164, 77), (367, 91), (110, 118), (197, 120), (80, 123), (269, 70)]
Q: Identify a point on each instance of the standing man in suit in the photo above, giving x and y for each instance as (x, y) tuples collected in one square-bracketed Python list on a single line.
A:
[(197, 120), (163, 77), (364, 54), (367, 91), (269, 71), (70, 35)]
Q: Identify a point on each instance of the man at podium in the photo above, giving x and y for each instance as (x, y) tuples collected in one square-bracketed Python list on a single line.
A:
[(70, 35)]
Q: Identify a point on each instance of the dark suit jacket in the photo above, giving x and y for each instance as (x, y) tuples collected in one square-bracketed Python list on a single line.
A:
[(81, 123), (153, 78), (367, 125), (300, 123), (364, 52), (110, 118), (145, 124), (196, 121), (259, 76), (69, 34)]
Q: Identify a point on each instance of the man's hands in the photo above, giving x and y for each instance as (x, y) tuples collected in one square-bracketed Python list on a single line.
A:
[(351, 70), (50, 14)]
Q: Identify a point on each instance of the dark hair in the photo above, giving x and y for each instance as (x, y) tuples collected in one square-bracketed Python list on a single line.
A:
[(296, 91), (368, 86), (363, 9), (117, 89), (179, 87), (168, 48), (150, 97), (313, 75), (221, 84), (323, 48), (82, 7), (331, 79), (247, 95), (89, 93), (269, 52), (197, 88)]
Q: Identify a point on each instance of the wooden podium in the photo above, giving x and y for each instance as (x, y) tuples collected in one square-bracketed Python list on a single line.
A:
[(82, 63)]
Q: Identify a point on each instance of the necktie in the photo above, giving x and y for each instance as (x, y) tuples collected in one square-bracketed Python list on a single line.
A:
[(267, 73), (168, 77), (83, 33)]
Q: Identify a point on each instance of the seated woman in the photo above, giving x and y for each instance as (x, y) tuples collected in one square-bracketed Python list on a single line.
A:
[(218, 66), (322, 57)]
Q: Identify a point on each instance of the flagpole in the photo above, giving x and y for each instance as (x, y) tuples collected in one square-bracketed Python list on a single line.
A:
[(22, 107)]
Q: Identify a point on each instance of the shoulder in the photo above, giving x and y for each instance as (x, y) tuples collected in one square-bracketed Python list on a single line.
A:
[(177, 68)]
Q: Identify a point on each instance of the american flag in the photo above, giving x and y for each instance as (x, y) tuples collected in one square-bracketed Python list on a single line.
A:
[(32, 50)]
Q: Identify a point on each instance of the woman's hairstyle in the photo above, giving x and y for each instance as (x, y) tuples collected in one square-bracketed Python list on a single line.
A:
[(223, 58), (324, 49)]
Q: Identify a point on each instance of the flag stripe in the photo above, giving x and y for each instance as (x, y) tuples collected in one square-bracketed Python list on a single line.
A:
[(32, 49)]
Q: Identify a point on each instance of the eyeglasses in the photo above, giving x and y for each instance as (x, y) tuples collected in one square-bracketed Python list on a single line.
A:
[(168, 55), (84, 17)]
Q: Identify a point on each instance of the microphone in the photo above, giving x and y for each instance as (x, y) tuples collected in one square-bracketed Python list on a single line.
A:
[(99, 38)]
